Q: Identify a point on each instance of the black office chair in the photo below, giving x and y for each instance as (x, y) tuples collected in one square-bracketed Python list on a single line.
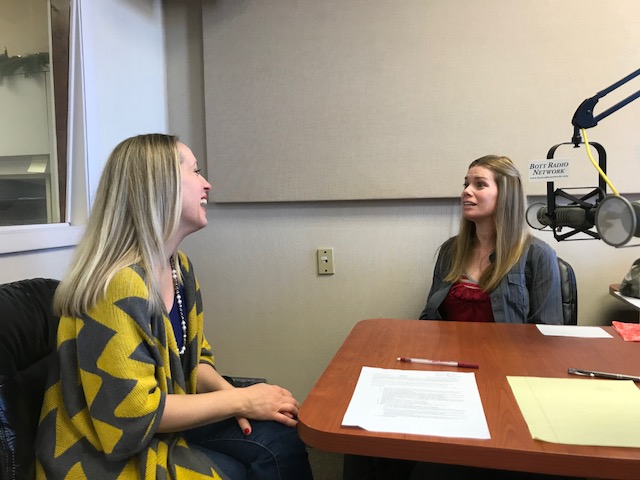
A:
[(569, 293), (27, 340)]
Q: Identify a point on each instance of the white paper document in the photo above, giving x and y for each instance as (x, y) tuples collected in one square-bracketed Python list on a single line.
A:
[(445, 404), (573, 331)]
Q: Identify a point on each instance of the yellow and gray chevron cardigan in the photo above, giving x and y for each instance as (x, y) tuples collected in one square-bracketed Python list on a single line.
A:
[(106, 393)]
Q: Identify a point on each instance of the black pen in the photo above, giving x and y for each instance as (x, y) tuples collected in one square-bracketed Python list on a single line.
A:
[(594, 374)]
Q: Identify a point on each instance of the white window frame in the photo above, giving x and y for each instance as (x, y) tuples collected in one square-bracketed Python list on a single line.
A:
[(25, 238)]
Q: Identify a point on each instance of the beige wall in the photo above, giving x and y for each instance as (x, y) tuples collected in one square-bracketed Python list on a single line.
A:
[(267, 311), (346, 100)]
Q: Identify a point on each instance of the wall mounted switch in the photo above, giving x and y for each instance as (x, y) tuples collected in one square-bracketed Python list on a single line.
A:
[(325, 261)]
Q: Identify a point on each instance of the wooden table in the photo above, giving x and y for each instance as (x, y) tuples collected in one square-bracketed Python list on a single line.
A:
[(501, 350)]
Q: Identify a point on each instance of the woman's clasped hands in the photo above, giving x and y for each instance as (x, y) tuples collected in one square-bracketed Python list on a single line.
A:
[(268, 402)]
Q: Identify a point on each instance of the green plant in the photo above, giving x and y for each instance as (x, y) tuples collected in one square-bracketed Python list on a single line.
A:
[(28, 65)]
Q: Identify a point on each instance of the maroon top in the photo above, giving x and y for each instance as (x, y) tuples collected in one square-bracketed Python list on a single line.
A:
[(467, 302)]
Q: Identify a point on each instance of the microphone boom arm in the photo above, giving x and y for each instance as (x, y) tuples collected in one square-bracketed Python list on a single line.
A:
[(583, 116)]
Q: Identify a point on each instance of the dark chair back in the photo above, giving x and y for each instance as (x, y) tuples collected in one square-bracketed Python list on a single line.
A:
[(569, 293), (28, 331)]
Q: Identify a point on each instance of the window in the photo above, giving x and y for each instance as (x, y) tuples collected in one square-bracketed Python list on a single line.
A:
[(34, 79)]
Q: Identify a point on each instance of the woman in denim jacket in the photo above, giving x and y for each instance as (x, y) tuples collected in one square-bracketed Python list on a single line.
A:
[(494, 270)]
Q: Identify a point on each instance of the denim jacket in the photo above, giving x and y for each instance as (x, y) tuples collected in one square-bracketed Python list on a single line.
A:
[(529, 293)]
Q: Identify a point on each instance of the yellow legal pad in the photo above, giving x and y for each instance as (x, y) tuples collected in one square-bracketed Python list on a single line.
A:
[(580, 411)]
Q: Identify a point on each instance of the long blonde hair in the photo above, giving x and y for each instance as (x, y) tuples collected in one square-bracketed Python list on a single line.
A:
[(512, 236), (137, 208)]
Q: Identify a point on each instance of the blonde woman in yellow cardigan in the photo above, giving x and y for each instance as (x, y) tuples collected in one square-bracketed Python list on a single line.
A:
[(134, 393)]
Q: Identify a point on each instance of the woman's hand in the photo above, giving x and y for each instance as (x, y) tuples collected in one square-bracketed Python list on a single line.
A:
[(270, 402), (217, 400)]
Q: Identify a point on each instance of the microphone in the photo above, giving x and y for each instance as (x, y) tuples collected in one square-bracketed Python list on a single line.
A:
[(617, 220), (572, 216)]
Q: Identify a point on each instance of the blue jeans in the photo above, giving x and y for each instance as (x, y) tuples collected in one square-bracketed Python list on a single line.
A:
[(271, 451)]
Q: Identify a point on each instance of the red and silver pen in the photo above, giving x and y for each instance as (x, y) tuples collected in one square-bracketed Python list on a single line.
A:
[(438, 362)]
